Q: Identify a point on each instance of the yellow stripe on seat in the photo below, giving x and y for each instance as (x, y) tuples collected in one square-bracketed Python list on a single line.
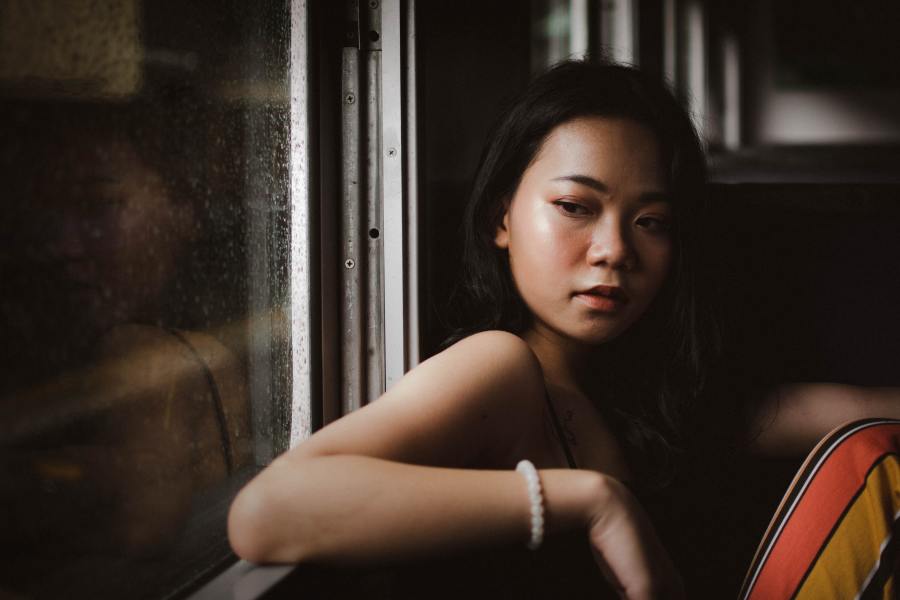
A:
[(855, 546)]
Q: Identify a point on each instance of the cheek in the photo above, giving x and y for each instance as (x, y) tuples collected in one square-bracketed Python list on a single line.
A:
[(546, 237), (540, 252)]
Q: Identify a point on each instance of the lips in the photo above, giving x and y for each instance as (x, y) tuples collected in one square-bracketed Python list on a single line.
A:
[(604, 298), (609, 291)]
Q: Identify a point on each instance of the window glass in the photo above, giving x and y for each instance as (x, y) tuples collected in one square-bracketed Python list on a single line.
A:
[(142, 261)]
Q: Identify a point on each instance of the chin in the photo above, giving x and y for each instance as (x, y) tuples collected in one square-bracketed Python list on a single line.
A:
[(599, 337)]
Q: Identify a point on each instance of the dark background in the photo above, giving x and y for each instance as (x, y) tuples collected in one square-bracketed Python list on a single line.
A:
[(805, 240)]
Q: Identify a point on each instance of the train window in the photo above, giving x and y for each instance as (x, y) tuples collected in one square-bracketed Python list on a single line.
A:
[(801, 93), (829, 75), (143, 259), (226, 224)]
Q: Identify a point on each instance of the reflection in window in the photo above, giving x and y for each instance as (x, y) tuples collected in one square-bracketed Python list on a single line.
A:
[(144, 185)]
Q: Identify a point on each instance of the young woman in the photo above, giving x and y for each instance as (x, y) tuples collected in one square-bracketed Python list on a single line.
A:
[(588, 356)]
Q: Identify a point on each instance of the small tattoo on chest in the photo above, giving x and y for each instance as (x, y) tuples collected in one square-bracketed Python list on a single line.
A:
[(563, 430)]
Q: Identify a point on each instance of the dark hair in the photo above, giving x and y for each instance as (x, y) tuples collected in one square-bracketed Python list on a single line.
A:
[(648, 399)]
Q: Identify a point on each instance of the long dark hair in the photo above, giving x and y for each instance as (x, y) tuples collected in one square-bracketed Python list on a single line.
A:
[(657, 369)]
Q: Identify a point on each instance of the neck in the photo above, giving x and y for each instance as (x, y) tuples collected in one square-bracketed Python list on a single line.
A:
[(566, 363)]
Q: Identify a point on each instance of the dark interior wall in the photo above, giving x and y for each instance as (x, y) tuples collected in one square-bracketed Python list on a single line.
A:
[(473, 57), (809, 280)]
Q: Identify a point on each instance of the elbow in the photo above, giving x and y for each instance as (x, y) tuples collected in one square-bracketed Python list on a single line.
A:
[(255, 528), (247, 528), (264, 524)]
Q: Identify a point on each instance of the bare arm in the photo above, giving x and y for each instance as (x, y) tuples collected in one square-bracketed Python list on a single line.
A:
[(359, 491), (358, 509), (343, 485), (793, 418)]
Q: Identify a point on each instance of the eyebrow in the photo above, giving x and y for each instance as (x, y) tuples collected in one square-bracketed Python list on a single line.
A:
[(601, 187)]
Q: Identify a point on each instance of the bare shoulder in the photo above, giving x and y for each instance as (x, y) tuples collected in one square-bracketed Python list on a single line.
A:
[(465, 401), (496, 354), (490, 368)]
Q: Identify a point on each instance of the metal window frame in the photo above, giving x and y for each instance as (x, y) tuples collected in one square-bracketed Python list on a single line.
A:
[(379, 222), (374, 327), (379, 191), (353, 246), (394, 190)]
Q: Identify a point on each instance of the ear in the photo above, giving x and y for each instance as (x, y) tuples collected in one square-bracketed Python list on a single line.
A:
[(501, 236)]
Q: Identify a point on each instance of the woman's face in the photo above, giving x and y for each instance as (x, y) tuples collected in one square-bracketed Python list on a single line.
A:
[(99, 242), (587, 230)]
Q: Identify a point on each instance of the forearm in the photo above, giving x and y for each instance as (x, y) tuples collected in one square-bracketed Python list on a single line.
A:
[(355, 509), (794, 417)]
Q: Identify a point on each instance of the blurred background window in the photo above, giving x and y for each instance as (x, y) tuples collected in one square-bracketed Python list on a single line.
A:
[(143, 260)]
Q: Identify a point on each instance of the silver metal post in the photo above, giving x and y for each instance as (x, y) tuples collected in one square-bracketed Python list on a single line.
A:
[(392, 185), (353, 299), (300, 202), (374, 208), (412, 193)]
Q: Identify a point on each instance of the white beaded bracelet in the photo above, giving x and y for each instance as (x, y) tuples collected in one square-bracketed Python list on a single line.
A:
[(536, 500)]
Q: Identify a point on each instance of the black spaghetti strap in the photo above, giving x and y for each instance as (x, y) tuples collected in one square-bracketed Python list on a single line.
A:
[(559, 432), (216, 398)]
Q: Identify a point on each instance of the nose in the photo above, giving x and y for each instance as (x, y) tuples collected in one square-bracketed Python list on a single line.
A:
[(611, 246)]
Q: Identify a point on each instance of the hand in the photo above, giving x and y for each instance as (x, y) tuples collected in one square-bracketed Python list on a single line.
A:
[(626, 547)]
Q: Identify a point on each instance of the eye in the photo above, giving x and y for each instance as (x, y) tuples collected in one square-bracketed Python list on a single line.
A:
[(655, 224), (571, 209)]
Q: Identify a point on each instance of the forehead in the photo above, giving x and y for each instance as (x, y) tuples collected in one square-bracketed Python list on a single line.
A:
[(609, 149)]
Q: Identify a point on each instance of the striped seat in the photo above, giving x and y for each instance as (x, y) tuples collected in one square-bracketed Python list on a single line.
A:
[(833, 533)]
